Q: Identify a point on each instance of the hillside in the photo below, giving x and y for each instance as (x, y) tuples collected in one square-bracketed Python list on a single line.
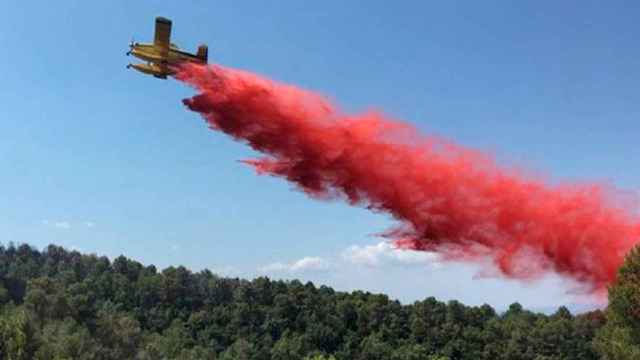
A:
[(60, 304)]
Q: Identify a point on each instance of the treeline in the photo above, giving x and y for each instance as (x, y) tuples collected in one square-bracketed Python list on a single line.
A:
[(60, 304)]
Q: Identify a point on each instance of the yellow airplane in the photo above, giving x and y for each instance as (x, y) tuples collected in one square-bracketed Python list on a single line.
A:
[(161, 55)]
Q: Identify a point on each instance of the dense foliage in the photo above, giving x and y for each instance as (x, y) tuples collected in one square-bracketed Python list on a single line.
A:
[(619, 339), (59, 304)]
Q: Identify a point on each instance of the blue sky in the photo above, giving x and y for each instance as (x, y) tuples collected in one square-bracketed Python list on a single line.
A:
[(106, 160)]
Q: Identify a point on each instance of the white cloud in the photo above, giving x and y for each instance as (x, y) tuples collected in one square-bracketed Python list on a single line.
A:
[(274, 267), (225, 270), (307, 263), (310, 263), (76, 248), (62, 225), (384, 253)]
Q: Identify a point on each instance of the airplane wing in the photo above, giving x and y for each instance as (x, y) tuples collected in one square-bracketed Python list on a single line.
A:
[(162, 37)]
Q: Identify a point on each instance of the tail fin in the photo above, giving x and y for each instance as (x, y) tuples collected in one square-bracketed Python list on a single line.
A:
[(203, 53)]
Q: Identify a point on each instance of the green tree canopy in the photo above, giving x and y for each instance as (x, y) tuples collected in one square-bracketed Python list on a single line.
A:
[(57, 304), (619, 339)]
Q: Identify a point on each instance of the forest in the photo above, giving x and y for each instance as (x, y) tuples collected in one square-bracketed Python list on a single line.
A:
[(61, 304)]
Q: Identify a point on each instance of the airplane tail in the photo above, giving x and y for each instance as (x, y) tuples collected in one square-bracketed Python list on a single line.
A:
[(203, 53)]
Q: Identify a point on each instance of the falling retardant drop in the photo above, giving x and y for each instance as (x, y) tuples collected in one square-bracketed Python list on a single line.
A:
[(446, 198)]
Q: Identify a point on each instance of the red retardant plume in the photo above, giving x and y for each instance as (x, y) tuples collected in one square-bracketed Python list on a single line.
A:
[(446, 198)]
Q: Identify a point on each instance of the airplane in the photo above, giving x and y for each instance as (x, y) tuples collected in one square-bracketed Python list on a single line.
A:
[(162, 55)]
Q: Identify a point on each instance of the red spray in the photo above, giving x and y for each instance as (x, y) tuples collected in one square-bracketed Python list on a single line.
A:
[(446, 198)]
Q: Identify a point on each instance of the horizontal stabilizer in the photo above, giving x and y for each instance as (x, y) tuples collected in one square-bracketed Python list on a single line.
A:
[(203, 53)]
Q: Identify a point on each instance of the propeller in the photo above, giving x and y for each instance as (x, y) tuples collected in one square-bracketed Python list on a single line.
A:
[(132, 44)]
